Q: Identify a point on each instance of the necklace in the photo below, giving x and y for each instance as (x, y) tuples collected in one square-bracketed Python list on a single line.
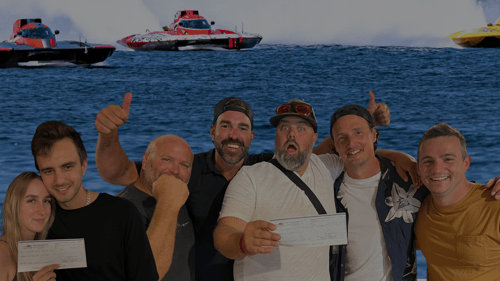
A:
[(88, 196)]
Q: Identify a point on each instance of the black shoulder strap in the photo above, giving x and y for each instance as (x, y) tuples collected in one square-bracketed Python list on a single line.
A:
[(302, 185)]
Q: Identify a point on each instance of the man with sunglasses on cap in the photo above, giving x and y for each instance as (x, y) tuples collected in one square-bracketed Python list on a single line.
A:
[(267, 191), (262, 192), (212, 171)]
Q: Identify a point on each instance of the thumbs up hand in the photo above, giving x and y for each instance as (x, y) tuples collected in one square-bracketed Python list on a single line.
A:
[(113, 116), (380, 111)]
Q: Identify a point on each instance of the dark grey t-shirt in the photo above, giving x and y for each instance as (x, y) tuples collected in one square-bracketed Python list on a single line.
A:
[(183, 261)]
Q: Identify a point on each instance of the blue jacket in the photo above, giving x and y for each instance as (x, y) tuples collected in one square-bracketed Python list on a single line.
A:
[(397, 211)]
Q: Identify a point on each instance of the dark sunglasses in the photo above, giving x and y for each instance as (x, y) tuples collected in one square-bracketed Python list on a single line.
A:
[(300, 108)]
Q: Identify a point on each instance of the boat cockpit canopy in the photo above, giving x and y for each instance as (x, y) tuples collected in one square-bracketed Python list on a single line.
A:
[(195, 24), (40, 32)]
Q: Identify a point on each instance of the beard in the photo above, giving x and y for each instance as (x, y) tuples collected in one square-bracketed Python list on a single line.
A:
[(231, 157), (291, 162)]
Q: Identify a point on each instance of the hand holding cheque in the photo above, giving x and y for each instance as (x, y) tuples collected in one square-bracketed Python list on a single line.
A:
[(321, 230), (35, 254)]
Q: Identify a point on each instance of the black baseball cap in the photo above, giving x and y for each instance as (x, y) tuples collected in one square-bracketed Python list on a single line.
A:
[(233, 104), (352, 109), (297, 108)]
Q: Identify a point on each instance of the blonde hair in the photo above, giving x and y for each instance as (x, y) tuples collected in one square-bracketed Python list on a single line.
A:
[(11, 217)]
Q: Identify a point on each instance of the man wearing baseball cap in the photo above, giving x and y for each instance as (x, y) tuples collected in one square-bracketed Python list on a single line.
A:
[(262, 192), (211, 172), (377, 201), (232, 133)]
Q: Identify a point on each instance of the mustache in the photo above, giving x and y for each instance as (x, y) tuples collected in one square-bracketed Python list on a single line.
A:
[(231, 141), (291, 141), (61, 185)]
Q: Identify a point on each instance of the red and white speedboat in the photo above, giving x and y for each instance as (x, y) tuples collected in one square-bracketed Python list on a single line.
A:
[(190, 29), (31, 40)]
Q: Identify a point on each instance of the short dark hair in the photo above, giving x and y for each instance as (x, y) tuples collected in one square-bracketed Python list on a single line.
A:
[(50, 132), (444, 130)]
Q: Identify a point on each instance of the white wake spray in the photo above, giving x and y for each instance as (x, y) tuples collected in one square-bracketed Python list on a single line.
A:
[(99, 21), (350, 22), (354, 22)]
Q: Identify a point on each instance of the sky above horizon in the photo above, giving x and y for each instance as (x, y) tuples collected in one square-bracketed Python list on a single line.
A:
[(422, 23)]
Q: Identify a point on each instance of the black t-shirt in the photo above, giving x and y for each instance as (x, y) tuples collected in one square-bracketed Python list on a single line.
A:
[(116, 244), (183, 262), (207, 187)]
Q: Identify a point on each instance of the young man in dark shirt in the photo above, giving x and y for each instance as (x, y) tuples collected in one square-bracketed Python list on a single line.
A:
[(116, 244)]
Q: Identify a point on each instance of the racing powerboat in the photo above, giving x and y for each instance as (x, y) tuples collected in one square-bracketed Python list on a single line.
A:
[(31, 40), (484, 37), (190, 29)]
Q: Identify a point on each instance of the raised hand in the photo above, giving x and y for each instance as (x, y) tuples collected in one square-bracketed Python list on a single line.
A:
[(494, 184), (113, 116), (258, 238), (168, 189), (46, 273), (380, 111)]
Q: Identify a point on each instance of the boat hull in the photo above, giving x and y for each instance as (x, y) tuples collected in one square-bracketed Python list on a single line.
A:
[(67, 51), (162, 41), (486, 37), (481, 42)]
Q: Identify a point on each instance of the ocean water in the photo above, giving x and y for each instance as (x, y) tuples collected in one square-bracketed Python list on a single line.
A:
[(175, 93)]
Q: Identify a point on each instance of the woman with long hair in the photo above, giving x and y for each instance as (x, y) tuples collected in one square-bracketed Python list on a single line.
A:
[(27, 214)]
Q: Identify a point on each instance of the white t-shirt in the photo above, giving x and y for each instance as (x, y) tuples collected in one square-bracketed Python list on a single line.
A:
[(367, 257), (263, 192)]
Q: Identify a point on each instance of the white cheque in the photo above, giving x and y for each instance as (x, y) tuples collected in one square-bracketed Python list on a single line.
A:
[(321, 230), (35, 254)]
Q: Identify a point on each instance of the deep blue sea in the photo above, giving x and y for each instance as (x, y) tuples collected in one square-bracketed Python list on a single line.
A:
[(175, 92)]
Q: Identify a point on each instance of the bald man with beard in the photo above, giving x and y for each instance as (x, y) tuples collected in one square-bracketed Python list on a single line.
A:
[(159, 194)]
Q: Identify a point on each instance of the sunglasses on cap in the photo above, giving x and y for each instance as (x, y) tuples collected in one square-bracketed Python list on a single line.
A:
[(300, 108)]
